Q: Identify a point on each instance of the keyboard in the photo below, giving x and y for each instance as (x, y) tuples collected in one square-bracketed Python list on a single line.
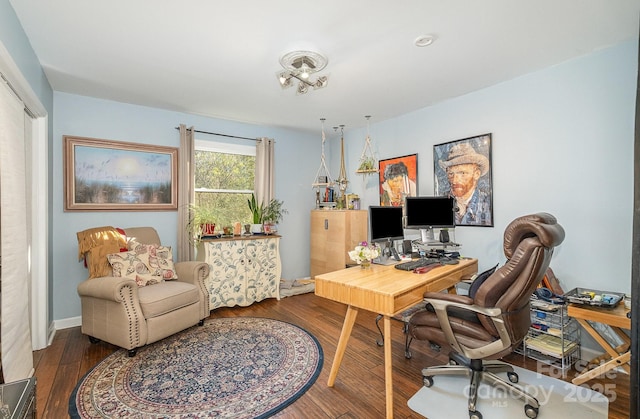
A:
[(417, 263)]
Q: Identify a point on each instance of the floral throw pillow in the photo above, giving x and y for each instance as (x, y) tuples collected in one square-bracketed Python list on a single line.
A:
[(129, 265), (158, 259)]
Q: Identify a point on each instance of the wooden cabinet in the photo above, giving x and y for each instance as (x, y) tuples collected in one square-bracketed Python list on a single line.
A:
[(333, 234), (243, 270)]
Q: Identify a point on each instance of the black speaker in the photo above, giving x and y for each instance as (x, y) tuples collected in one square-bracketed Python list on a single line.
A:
[(406, 247), (444, 236)]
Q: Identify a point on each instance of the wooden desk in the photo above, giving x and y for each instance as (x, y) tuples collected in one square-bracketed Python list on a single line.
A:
[(387, 291), (616, 318)]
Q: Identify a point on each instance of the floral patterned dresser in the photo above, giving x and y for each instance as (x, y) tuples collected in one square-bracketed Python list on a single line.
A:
[(243, 270)]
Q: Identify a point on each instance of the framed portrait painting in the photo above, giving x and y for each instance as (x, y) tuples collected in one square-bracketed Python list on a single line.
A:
[(398, 179), (462, 169), (105, 175)]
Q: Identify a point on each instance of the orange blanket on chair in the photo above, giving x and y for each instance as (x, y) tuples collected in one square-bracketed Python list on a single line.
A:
[(95, 244)]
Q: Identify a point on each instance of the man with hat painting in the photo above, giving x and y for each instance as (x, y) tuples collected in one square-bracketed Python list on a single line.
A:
[(464, 166)]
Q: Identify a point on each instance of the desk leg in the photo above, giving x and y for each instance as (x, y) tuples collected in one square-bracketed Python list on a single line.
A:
[(349, 320), (601, 341), (388, 367), (619, 361)]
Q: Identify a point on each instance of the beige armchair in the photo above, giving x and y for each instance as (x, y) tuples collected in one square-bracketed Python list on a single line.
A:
[(118, 311)]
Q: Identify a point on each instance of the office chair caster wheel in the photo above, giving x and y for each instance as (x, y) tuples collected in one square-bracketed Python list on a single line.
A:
[(427, 380), (530, 411), (513, 377), (475, 415)]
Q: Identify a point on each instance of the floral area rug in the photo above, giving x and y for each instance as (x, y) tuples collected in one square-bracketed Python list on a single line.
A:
[(241, 367)]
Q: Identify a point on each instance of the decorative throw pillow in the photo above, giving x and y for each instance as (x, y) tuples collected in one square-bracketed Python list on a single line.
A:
[(480, 280), (158, 259), (129, 265)]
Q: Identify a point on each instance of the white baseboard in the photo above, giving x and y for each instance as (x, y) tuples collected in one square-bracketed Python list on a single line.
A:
[(67, 323)]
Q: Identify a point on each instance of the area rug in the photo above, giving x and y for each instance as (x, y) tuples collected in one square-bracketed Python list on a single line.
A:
[(241, 367), (447, 398)]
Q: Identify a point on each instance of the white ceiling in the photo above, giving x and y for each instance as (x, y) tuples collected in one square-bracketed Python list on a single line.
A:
[(220, 58)]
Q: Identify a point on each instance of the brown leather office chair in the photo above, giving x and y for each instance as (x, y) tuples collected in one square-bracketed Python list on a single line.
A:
[(493, 321)]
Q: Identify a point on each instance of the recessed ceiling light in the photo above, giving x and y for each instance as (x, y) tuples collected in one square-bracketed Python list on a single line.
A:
[(424, 40)]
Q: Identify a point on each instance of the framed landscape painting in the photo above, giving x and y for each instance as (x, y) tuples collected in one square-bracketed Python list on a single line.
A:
[(105, 175)]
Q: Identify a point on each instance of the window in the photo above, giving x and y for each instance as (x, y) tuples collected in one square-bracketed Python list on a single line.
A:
[(225, 179)]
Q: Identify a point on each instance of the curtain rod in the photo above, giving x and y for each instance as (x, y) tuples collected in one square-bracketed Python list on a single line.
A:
[(224, 135)]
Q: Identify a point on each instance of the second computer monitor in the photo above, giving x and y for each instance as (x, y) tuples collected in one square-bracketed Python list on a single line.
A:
[(429, 211), (425, 213), (385, 224)]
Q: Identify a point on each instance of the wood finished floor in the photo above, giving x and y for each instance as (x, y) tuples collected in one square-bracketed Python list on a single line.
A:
[(359, 387)]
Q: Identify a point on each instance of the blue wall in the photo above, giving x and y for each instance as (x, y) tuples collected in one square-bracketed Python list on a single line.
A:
[(96, 118), (562, 142)]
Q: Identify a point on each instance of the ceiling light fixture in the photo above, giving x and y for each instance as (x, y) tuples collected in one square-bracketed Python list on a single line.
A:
[(300, 65), (424, 40)]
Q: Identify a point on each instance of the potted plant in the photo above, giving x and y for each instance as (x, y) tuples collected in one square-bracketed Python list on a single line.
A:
[(272, 214), (367, 165), (202, 221), (257, 211)]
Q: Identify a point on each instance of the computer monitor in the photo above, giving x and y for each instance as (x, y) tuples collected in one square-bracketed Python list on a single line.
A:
[(425, 213), (385, 224)]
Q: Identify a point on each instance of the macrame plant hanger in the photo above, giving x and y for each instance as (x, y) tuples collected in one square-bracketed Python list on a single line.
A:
[(342, 180), (323, 177), (368, 164)]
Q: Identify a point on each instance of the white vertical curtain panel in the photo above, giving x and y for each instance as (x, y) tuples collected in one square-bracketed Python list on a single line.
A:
[(186, 191), (265, 166), (15, 331)]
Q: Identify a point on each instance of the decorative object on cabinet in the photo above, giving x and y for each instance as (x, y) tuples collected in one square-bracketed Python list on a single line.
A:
[(90, 189), (243, 270), (553, 337), (368, 164), (463, 166), (272, 215), (256, 208), (202, 222), (333, 235), (398, 179)]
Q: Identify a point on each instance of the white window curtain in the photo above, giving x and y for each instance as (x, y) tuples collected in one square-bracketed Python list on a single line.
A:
[(15, 330), (264, 182), (186, 191)]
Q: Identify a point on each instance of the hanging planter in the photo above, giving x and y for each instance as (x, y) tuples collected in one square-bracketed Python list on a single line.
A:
[(323, 177), (368, 163)]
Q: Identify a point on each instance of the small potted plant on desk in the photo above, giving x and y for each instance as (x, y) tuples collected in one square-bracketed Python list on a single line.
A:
[(272, 215), (202, 222)]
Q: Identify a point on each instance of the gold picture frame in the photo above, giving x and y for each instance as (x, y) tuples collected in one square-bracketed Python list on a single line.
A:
[(106, 175)]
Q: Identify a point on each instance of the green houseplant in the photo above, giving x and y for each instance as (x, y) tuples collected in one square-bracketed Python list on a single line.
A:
[(272, 214), (257, 210), (202, 221)]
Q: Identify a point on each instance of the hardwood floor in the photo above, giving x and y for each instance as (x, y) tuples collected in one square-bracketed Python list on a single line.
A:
[(359, 387)]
